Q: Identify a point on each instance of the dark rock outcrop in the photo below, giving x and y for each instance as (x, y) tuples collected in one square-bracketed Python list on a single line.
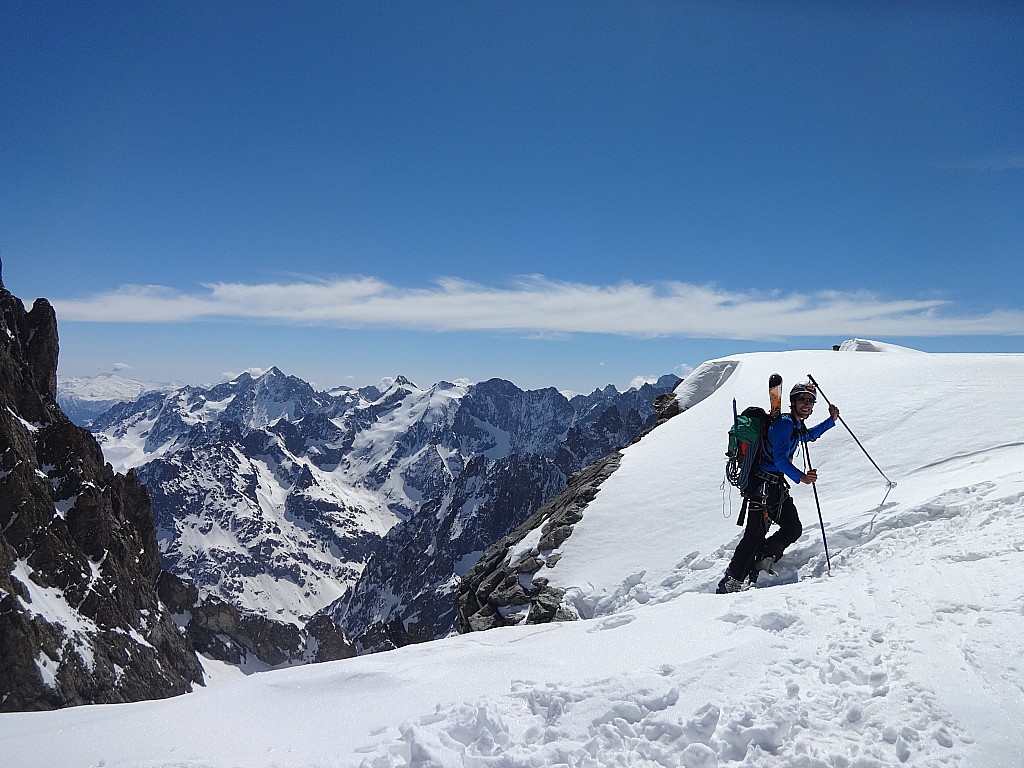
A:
[(80, 620), (219, 630), (507, 585)]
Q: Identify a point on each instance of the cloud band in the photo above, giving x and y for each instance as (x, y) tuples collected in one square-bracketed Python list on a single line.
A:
[(539, 305)]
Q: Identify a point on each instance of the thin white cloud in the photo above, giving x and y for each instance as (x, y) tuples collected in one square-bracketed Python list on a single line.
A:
[(638, 381), (1005, 162), (546, 309), (254, 372)]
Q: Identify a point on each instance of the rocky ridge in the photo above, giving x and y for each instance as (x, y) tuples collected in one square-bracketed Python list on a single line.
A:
[(80, 618), (507, 585)]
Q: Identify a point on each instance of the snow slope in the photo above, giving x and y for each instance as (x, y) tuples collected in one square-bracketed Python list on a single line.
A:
[(931, 422), (908, 653)]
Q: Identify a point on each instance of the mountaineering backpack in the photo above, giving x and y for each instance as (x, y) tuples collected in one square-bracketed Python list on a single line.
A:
[(747, 436)]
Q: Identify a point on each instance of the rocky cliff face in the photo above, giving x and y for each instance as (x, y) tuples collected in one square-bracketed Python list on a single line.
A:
[(80, 619)]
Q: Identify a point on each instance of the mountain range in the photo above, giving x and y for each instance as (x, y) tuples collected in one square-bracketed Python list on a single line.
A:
[(357, 508), (258, 522)]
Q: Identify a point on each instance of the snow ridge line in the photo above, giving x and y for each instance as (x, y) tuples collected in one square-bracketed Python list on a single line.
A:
[(704, 382)]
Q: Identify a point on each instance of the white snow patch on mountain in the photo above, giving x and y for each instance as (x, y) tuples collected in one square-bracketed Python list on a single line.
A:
[(128, 448), (85, 397), (106, 387), (502, 440)]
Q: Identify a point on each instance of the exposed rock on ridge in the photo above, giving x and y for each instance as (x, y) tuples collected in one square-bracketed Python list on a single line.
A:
[(80, 620), (219, 630), (507, 585)]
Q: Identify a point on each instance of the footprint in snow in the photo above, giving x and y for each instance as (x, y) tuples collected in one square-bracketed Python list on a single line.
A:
[(771, 621), (613, 623)]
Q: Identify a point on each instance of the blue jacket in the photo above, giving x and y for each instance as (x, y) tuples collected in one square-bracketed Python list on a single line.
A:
[(783, 440)]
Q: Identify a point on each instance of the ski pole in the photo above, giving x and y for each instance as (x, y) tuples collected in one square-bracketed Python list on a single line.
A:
[(890, 482), (821, 520)]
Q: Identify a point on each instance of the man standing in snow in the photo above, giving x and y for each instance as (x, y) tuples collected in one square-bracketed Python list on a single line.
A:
[(768, 493)]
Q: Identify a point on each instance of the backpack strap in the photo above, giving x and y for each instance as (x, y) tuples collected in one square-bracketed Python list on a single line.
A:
[(766, 444)]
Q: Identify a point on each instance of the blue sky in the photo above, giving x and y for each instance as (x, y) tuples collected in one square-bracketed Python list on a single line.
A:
[(562, 194)]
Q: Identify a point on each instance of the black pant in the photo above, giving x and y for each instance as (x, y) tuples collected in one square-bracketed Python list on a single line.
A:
[(768, 502)]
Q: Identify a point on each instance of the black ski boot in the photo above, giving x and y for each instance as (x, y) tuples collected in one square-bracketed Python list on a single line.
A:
[(729, 584), (764, 562)]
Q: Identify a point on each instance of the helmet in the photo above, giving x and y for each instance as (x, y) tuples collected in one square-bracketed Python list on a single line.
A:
[(803, 388)]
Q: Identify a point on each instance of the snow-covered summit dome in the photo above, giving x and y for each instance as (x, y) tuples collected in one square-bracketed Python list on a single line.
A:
[(867, 345)]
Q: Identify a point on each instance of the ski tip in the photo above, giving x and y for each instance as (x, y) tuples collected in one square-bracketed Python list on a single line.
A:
[(774, 380)]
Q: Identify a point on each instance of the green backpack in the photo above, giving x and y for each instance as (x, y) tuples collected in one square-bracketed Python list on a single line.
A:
[(746, 439)]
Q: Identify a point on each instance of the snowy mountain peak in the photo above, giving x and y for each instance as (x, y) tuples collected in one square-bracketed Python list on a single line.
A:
[(388, 385), (83, 398)]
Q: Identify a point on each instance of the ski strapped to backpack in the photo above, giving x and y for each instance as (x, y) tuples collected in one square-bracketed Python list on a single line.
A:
[(747, 436)]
